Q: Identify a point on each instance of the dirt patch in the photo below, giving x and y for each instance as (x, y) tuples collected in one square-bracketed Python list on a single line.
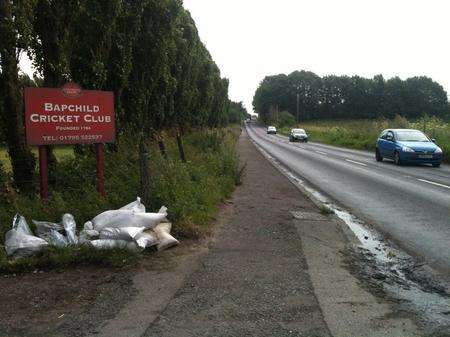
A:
[(76, 301)]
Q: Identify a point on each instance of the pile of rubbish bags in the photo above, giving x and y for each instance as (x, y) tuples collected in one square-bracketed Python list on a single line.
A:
[(129, 227)]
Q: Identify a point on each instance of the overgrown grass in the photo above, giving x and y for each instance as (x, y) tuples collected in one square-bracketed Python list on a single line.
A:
[(363, 134), (61, 153), (60, 258), (191, 191)]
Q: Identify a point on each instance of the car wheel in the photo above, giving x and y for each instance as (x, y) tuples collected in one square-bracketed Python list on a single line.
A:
[(397, 159), (306, 141), (437, 165), (378, 156)]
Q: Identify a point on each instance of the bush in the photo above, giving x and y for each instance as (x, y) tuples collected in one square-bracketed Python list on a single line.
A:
[(363, 134), (286, 119), (190, 190)]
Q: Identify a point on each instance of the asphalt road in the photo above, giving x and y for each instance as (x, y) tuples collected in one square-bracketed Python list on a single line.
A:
[(409, 204)]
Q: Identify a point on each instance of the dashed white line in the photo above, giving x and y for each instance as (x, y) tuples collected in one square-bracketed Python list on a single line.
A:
[(355, 162), (433, 183), (321, 152)]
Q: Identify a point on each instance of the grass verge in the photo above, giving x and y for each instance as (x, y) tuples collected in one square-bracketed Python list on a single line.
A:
[(192, 191), (363, 134)]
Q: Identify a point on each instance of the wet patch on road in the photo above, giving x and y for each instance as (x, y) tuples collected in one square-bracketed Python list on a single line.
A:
[(386, 270)]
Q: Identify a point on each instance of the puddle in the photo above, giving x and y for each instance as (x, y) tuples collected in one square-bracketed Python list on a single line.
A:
[(390, 267)]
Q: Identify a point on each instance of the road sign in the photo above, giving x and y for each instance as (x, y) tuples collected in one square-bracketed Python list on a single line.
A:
[(69, 115)]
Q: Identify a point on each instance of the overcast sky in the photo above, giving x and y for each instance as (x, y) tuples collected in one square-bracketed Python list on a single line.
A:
[(250, 39)]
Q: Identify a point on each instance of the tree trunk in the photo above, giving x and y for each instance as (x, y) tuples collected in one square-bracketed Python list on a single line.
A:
[(145, 187), (3, 188), (22, 160), (162, 147), (181, 147)]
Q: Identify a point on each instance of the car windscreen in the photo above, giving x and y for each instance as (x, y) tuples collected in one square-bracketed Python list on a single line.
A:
[(411, 136), (300, 131)]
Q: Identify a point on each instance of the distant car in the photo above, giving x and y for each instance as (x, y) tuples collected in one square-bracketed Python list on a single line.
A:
[(271, 130), (407, 146), (298, 135)]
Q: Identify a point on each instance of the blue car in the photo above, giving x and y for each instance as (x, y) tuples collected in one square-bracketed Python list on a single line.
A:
[(407, 146)]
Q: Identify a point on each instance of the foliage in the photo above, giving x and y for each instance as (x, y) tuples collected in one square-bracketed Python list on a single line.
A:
[(15, 31), (191, 190), (237, 112), (343, 97), (148, 52), (60, 258)]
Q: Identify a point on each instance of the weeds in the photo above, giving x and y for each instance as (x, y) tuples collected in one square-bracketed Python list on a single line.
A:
[(60, 258), (325, 210), (240, 172), (363, 134), (191, 190)]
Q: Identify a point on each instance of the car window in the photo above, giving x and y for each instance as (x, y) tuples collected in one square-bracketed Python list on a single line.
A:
[(389, 135), (383, 134), (411, 136)]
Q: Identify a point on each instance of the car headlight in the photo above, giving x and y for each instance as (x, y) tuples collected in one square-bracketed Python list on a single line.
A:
[(407, 149), (438, 150)]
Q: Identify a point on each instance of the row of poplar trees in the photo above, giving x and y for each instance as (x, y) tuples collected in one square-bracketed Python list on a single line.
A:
[(148, 52), (345, 97)]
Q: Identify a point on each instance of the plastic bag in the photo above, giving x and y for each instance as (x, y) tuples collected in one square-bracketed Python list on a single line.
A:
[(20, 241), (165, 240), (87, 235), (21, 225), (45, 227), (135, 206), (54, 238), (70, 227), (124, 233), (127, 218), (88, 225), (115, 244), (146, 240)]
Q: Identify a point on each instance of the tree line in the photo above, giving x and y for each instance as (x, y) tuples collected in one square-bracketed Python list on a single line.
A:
[(308, 96), (148, 52)]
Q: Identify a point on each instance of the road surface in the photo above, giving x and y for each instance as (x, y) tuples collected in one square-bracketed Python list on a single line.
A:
[(409, 204)]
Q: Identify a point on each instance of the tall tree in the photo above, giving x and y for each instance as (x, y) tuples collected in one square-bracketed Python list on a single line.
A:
[(15, 28)]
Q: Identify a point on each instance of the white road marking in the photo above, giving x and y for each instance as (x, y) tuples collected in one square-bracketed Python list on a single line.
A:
[(355, 162), (321, 152), (433, 183)]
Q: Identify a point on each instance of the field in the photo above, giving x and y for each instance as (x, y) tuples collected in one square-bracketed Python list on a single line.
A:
[(61, 153), (362, 134)]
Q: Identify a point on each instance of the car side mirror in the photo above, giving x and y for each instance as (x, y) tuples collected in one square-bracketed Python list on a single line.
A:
[(433, 140)]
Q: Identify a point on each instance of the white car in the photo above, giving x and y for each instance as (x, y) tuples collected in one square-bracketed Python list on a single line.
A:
[(271, 130), (298, 135)]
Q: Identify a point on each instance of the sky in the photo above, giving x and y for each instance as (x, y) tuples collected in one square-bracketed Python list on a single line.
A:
[(250, 39)]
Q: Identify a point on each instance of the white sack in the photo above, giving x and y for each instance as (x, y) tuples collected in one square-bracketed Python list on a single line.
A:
[(45, 227), (115, 244), (146, 240), (124, 233), (21, 225), (54, 238), (127, 218), (166, 240), (87, 235), (20, 241), (70, 227), (88, 225), (135, 206)]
